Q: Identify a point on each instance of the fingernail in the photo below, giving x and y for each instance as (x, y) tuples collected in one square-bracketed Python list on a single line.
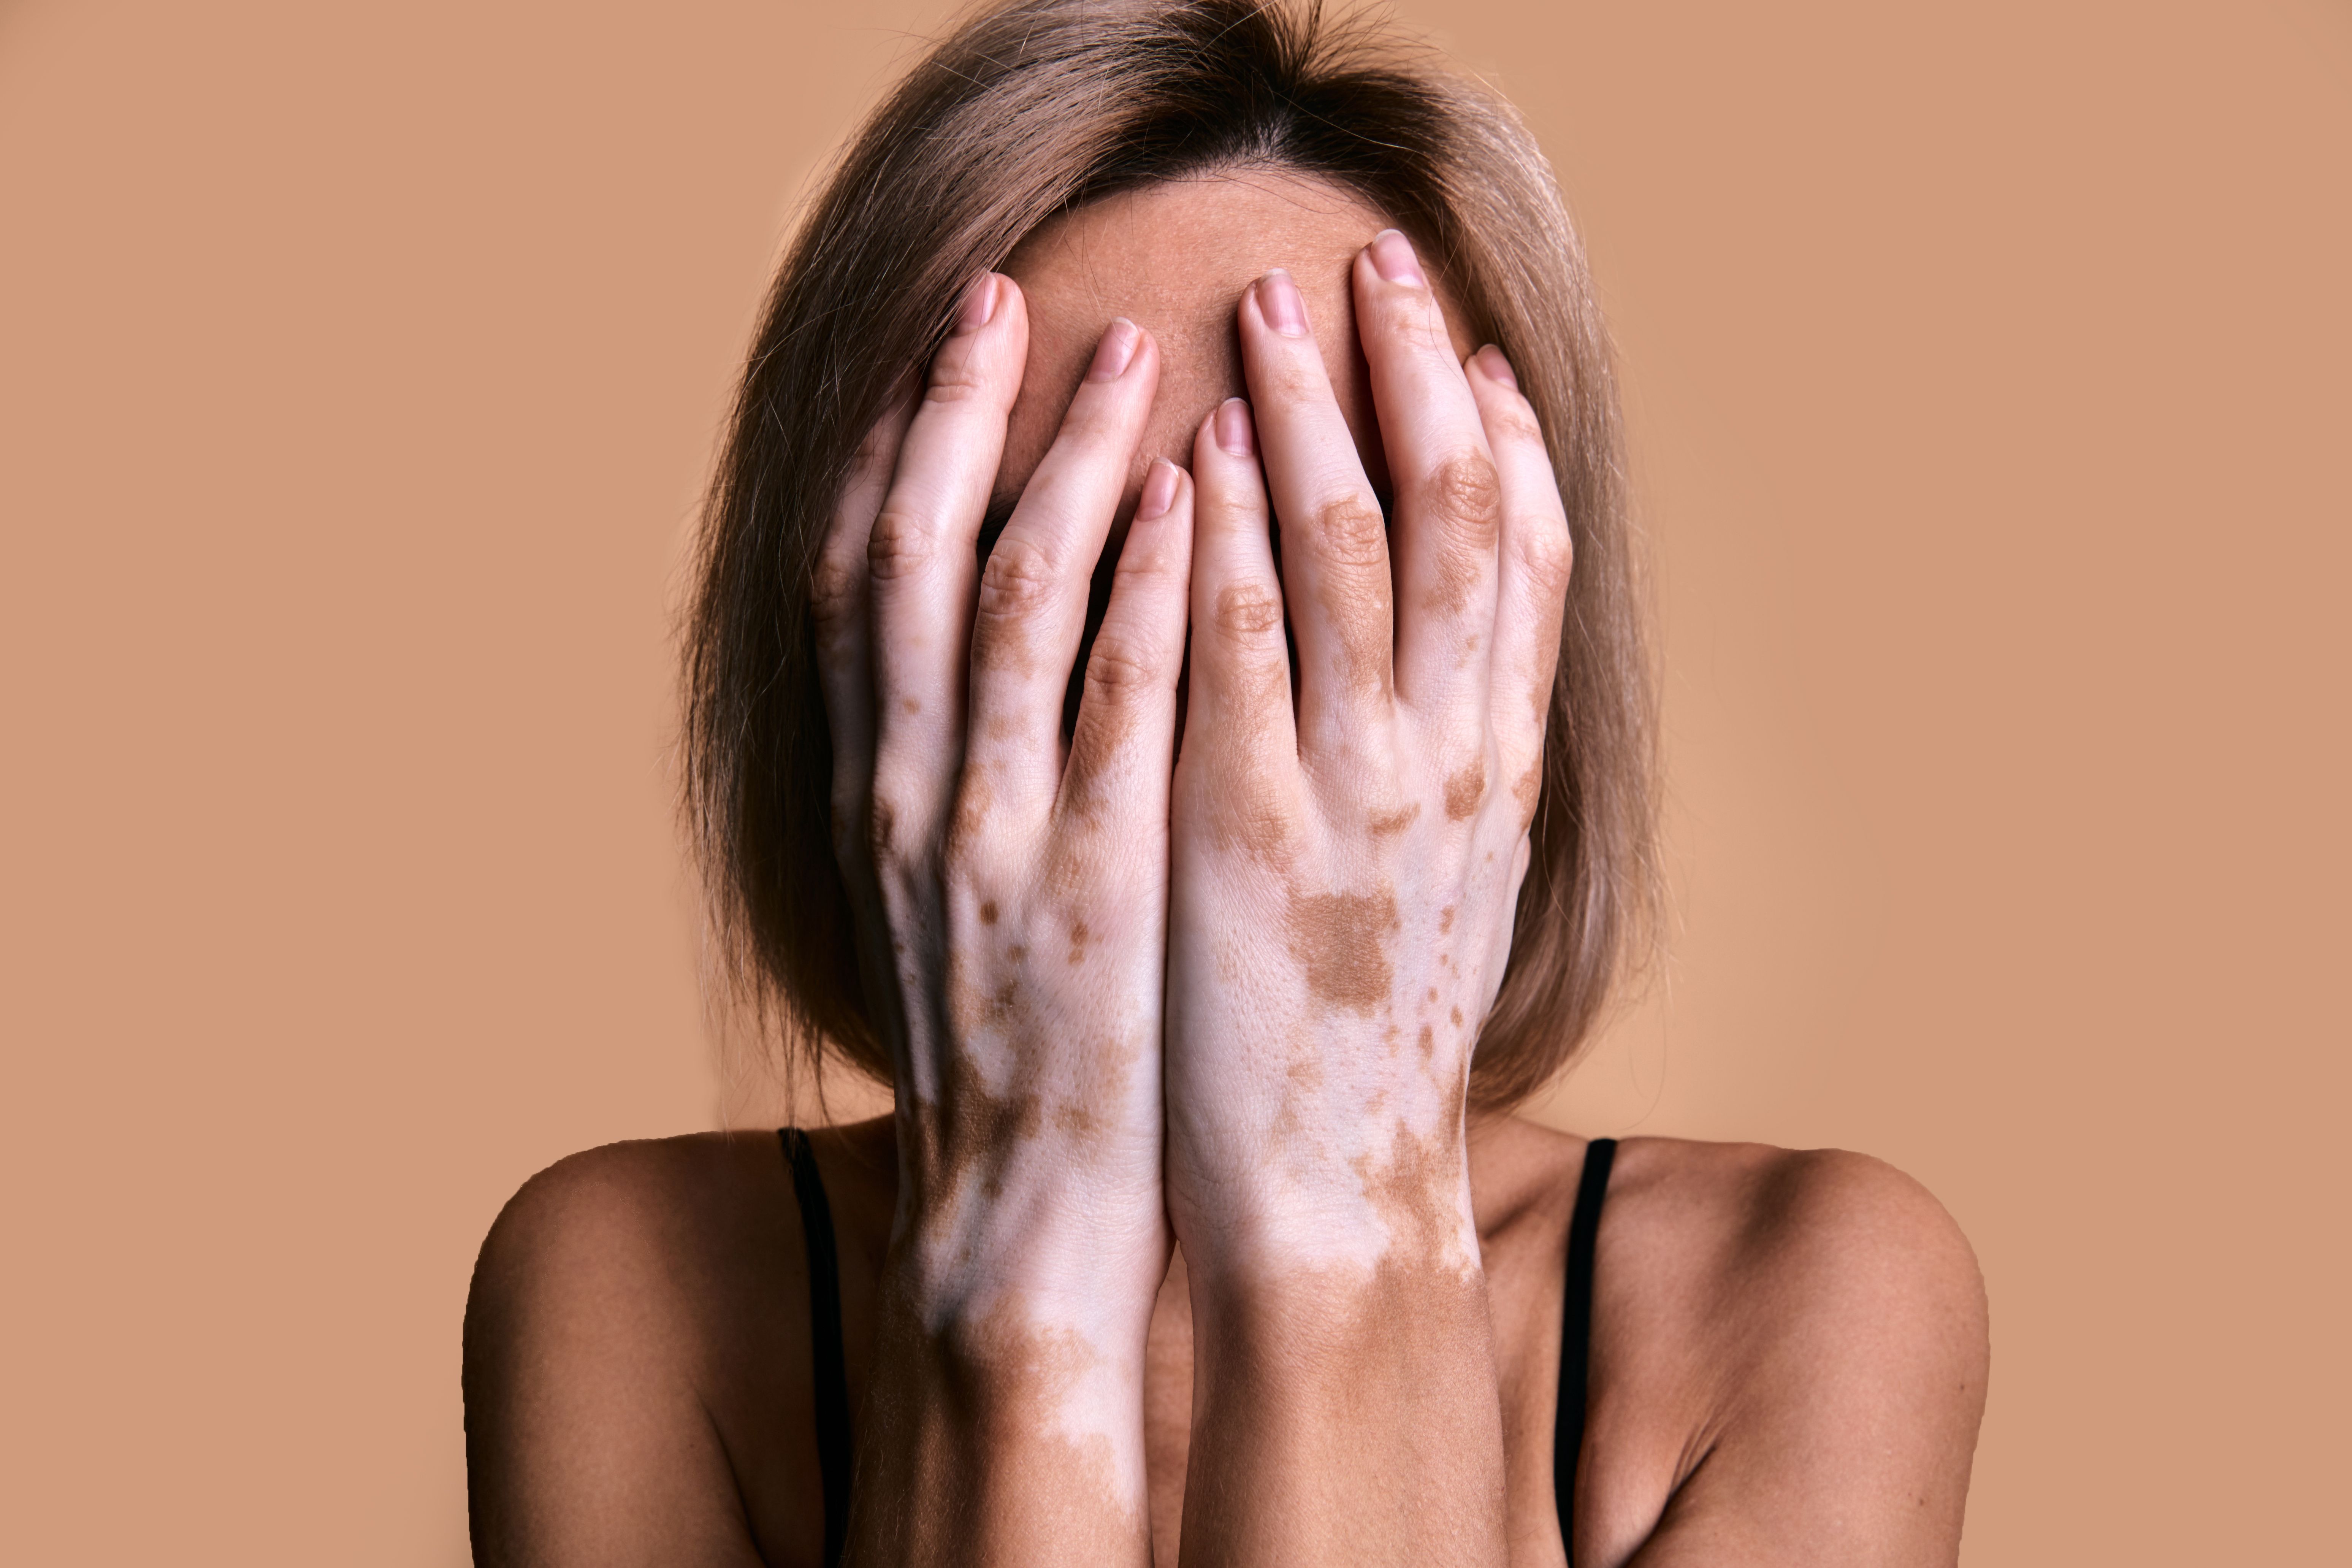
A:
[(1393, 259), (1497, 368), (1118, 347), (1233, 433), (1159, 491), (978, 303), (1278, 302)]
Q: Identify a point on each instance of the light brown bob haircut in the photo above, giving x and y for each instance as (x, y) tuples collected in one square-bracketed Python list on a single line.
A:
[(1027, 110)]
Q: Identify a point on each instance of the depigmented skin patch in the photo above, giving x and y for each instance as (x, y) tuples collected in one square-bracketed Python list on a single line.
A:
[(1342, 940), (1464, 789)]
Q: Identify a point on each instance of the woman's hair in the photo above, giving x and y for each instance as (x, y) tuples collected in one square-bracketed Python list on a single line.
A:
[(1027, 110)]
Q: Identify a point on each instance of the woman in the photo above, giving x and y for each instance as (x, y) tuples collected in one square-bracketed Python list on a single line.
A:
[(1166, 694)]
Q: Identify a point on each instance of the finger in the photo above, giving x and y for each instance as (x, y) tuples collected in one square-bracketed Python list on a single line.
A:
[(1240, 768), (1444, 520), (1125, 739), (1032, 609), (1535, 558), (921, 559), (839, 601), (1335, 553)]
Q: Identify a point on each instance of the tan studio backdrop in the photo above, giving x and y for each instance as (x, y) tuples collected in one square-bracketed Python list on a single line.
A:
[(1990, 378)]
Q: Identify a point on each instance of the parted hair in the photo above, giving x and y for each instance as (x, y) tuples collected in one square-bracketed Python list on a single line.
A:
[(1024, 111)]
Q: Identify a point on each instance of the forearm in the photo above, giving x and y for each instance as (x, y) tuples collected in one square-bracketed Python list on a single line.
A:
[(1002, 1426), (1344, 1413)]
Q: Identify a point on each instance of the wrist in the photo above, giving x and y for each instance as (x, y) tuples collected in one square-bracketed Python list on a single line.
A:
[(1297, 1225)]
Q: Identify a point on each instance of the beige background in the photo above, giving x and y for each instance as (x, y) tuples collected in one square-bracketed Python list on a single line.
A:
[(1988, 378)]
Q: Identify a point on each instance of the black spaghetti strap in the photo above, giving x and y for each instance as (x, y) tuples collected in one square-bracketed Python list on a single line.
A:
[(1576, 1335), (832, 1379)]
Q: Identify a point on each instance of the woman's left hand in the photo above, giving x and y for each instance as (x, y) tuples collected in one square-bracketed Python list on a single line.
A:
[(1344, 877)]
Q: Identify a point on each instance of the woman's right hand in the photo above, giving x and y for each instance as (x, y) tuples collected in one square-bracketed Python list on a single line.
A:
[(1012, 893)]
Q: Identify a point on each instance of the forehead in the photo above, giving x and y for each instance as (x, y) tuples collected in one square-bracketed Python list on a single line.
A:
[(1174, 257)]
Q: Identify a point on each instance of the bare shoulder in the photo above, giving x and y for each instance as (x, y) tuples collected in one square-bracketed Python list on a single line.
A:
[(1828, 1230), (1815, 1324), (617, 1235), (620, 1299)]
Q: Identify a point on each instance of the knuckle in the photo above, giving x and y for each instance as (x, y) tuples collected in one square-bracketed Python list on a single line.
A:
[(881, 829), (900, 545), (1248, 611), (956, 376), (1018, 578), (968, 826), (1464, 497), (834, 591), (1548, 554), (1351, 531), (1119, 668)]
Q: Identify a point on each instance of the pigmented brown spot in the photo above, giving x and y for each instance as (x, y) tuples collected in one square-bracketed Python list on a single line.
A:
[(912, 704), (1428, 1042), (988, 912), (1465, 789), (1342, 941), (882, 825), (1293, 1117), (1119, 683), (1457, 1017), (1444, 924), (1015, 585), (1463, 501), (1355, 594), (973, 799), (1415, 1191), (1526, 791), (1078, 941), (1397, 821), (1237, 781), (1249, 608)]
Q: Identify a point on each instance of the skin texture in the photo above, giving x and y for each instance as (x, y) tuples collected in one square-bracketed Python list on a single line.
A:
[(1181, 1038)]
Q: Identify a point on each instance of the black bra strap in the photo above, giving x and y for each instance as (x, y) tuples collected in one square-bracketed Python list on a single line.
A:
[(1576, 1333), (832, 1379)]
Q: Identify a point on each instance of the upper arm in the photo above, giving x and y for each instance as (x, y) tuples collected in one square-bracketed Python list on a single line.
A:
[(1853, 1327), (586, 1440)]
